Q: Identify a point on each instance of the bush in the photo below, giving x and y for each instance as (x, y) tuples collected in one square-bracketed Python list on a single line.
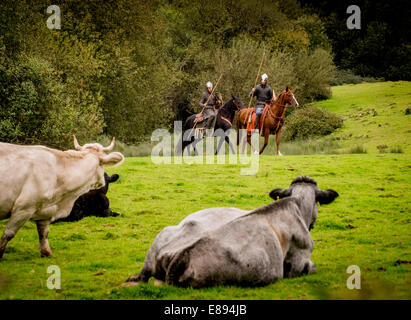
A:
[(349, 77), (357, 149), (396, 150), (38, 108), (382, 148), (313, 74), (323, 145), (309, 122)]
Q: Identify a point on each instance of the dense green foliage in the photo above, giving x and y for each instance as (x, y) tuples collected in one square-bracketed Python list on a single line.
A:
[(349, 77), (126, 67), (39, 107), (381, 48), (310, 122)]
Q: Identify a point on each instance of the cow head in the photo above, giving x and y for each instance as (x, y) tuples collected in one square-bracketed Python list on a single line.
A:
[(305, 189), (108, 179), (99, 200), (105, 159)]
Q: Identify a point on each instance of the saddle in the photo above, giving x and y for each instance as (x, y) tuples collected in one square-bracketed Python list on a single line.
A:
[(251, 119), (199, 118)]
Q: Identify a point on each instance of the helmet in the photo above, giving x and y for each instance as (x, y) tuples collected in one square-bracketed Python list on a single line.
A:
[(209, 84), (264, 77)]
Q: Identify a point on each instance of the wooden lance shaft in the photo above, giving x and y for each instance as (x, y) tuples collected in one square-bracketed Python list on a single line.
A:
[(256, 79)]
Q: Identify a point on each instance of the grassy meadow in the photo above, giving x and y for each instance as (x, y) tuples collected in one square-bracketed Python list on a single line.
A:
[(367, 226)]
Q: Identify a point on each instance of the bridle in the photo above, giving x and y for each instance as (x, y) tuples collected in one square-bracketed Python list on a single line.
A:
[(236, 104), (281, 105), (238, 109)]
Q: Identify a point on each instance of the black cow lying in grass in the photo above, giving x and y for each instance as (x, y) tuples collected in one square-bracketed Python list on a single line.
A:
[(93, 203), (230, 246)]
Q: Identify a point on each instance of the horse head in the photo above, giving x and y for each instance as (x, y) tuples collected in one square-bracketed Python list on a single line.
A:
[(238, 105), (287, 97)]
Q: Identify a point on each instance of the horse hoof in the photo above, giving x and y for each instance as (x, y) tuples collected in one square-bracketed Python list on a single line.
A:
[(256, 152), (280, 154)]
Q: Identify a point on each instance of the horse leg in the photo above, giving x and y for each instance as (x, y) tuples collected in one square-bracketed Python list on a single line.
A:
[(194, 145), (184, 145), (186, 142), (277, 140), (238, 137), (220, 143), (244, 144), (266, 137), (254, 150), (227, 139), (188, 145)]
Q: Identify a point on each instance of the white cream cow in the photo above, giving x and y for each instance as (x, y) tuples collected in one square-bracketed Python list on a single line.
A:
[(232, 246), (42, 184)]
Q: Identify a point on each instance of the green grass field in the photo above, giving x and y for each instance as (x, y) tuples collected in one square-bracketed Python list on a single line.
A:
[(368, 225), (374, 115)]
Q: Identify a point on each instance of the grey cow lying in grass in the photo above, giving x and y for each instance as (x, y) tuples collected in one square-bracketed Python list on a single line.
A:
[(232, 246)]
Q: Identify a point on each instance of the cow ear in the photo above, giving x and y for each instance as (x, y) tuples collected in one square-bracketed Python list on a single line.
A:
[(326, 197), (113, 178), (280, 193), (111, 160)]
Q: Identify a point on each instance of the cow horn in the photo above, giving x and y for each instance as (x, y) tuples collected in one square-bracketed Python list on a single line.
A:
[(76, 145), (111, 146)]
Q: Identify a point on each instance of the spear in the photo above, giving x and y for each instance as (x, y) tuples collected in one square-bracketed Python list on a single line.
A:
[(256, 79)]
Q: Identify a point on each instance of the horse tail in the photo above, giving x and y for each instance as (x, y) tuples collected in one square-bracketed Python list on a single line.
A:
[(178, 150)]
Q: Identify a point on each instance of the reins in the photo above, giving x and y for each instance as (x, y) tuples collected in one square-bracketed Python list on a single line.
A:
[(278, 105), (224, 118)]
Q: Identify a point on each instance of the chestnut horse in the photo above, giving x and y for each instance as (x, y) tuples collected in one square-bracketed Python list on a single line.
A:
[(273, 121)]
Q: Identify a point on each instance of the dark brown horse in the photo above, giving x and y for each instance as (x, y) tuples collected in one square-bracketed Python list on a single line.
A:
[(273, 120), (225, 118)]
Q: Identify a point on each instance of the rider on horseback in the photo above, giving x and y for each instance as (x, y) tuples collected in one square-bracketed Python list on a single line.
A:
[(264, 94), (208, 101)]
